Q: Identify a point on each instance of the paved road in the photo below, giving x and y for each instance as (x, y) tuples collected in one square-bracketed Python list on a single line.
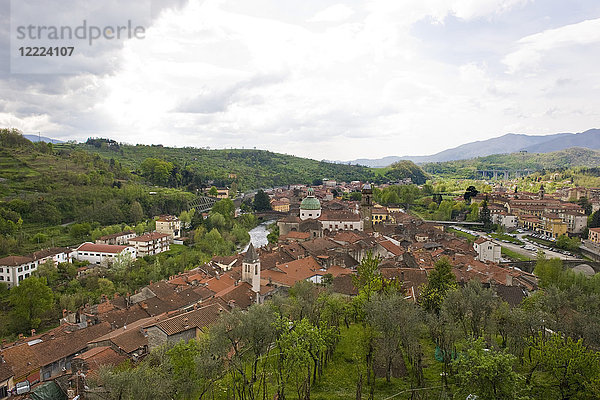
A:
[(531, 253)]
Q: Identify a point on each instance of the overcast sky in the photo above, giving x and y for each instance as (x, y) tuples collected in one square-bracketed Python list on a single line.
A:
[(318, 78)]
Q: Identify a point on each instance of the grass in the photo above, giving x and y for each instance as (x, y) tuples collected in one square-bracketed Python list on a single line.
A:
[(513, 255), (508, 238), (340, 375), (462, 234)]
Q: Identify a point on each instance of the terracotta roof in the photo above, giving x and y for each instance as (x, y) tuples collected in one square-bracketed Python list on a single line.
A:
[(319, 245), (6, 372), (118, 318), (167, 218), (22, 358), (99, 356), (297, 235), (199, 318), (294, 271), (148, 237), (480, 240), (391, 247), (13, 261), (343, 284), (115, 235), (513, 295), (335, 215), (101, 248), (221, 282), (67, 343), (129, 338)]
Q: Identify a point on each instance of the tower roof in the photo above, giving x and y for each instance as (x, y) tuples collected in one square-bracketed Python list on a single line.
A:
[(251, 255), (310, 202)]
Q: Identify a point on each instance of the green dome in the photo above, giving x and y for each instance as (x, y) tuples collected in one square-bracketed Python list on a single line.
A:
[(310, 202)]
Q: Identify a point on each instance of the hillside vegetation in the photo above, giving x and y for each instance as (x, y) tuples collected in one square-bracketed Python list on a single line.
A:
[(248, 169), (559, 160)]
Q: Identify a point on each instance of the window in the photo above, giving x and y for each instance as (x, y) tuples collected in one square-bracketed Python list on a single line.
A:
[(20, 269), (27, 268), (1, 278), (1, 270)]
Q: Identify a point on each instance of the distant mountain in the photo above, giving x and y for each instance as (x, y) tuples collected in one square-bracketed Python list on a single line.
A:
[(556, 160), (36, 138), (509, 143)]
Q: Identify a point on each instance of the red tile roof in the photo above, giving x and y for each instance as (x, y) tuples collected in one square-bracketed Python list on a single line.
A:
[(101, 248)]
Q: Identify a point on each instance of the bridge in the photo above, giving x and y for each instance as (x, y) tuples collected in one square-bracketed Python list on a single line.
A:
[(528, 266), (202, 203), (504, 173), (465, 223)]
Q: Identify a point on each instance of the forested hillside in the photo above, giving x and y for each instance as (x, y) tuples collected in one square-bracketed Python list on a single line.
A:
[(247, 169), (558, 160)]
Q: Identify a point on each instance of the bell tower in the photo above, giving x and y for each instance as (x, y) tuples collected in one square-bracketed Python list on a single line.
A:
[(251, 268), (366, 207)]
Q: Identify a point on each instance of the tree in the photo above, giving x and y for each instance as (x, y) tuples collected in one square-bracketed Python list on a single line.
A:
[(30, 301), (594, 220), (261, 201), (485, 215), (367, 274), (136, 212), (571, 367), (470, 193), (213, 191), (440, 281), (486, 373)]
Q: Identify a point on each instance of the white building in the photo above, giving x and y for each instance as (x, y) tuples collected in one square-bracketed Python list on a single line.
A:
[(170, 225), (576, 222), (487, 250), (310, 208), (102, 254), (121, 238), (150, 243), (508, 221), (14, 269), (341, 220)]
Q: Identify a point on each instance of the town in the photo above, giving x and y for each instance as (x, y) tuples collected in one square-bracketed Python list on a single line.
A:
[(320, 234)]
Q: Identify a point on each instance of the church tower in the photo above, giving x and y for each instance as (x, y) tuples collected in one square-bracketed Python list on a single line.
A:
[(251, 268), (366, 207), (541, 192)]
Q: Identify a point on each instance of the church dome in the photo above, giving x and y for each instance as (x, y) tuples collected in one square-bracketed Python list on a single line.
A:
[(310, 202)]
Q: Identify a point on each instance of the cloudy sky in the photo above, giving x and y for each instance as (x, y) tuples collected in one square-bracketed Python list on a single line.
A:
[(316, 78)]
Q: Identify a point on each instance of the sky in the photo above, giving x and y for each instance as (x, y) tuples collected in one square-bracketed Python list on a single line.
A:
[(314, 78)]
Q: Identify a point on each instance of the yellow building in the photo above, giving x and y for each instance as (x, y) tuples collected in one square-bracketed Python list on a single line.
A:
[(553, 226), (280, 206), (594, 235)]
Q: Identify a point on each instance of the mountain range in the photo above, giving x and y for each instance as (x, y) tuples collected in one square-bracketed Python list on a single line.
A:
[(509, 143), (36, 138)]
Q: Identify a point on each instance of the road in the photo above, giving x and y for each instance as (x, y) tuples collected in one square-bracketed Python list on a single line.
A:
[(528, 253)]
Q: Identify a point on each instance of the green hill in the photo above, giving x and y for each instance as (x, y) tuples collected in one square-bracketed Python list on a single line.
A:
[(249, 169), (558, 160)]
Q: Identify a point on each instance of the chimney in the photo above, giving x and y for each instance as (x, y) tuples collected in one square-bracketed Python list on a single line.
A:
[(20, 336), (32, 332), (509, 279), (65, 313)]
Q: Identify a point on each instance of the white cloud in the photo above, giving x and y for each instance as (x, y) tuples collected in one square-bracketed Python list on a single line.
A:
[(335, 13), (533, 48), (364, 83)]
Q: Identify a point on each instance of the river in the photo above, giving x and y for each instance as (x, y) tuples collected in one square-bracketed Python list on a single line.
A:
[(258, 235)]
